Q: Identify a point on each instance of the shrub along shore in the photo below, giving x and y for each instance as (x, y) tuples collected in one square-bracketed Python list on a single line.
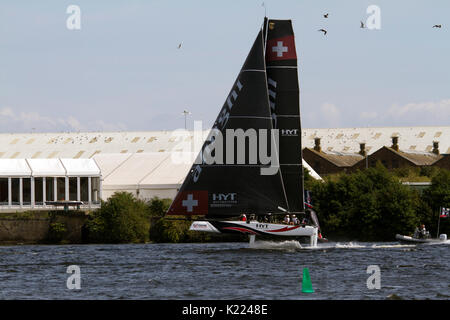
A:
[(368, 205)]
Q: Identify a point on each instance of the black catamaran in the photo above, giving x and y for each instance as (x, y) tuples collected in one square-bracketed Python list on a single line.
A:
[(251, 162)]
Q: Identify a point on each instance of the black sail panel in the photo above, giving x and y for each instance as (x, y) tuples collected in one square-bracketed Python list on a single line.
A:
[(283, 91), (222, 181)]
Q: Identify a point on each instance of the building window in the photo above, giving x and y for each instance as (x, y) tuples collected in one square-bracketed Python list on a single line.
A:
[(73, 189), (84, 189), (26, 194), (4, 192), (61, 188), (38, 191), (15, 191), (95, 185), (49, 189)]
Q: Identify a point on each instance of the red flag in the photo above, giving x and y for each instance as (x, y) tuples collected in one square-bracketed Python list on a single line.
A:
[(281, 49), (190, 203)]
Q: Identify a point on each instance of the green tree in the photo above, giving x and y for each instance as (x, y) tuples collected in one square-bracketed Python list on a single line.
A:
[(434, 198), (121, 219), (366, 205)]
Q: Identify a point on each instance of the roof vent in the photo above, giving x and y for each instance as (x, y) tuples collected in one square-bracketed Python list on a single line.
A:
[(435, 147), (317, 144), (362, 149), (395, 143)]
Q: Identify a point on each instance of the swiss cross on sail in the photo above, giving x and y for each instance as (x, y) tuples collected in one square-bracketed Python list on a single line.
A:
[(282, 48), (190, 203)]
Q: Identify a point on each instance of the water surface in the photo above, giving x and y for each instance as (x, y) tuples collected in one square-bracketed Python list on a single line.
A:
[(267, 270)]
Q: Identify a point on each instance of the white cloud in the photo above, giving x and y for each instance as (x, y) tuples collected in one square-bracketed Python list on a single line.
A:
[(330, 115), (11, 121), (368, 115), (422, 113)]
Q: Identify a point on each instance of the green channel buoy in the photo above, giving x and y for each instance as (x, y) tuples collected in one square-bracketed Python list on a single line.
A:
[(306, 282)]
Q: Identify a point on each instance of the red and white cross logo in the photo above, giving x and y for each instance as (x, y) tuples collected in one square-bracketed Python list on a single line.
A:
[(279, 49), (189, 203)]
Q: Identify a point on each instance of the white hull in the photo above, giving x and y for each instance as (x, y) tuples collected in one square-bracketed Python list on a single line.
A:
[(255, 228)]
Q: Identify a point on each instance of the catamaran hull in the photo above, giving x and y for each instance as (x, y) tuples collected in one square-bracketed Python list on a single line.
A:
[(255, 228)]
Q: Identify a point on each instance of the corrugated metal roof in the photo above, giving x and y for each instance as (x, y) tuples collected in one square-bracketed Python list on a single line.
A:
[(156, 168), (69, 145), (339, 159), (419, 158)]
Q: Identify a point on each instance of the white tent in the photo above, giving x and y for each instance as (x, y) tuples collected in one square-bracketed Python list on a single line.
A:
[(108, 162), (46, 167), (34, 183), (14, 168), (80, 167)]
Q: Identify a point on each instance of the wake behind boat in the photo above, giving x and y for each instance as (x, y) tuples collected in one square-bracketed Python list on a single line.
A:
[(251, 162)]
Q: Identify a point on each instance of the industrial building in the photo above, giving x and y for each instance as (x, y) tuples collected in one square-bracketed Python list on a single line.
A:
[(89, 166)]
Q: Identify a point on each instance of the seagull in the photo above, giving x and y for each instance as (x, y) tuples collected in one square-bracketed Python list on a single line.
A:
[(362, 25), (323, 30), (437, 26), (179, 46), (325, 15)]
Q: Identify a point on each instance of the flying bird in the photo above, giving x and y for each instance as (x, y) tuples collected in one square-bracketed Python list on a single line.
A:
[(323, 30), (179, 46), (437, 26), (325, 15), (362, 25)]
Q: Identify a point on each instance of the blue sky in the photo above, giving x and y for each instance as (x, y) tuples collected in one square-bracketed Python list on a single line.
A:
[(123, 71)]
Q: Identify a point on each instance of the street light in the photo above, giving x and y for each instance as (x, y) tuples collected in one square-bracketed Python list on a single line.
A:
[(185, 112)]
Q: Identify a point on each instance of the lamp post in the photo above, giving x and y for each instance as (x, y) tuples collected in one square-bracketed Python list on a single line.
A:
[(185, 112)]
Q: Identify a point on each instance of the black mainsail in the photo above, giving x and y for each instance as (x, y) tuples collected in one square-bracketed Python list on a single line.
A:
[(224, 183), (283, 91)]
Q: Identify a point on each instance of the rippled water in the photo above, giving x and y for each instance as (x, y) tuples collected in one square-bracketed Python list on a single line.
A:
[(267, 270)]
